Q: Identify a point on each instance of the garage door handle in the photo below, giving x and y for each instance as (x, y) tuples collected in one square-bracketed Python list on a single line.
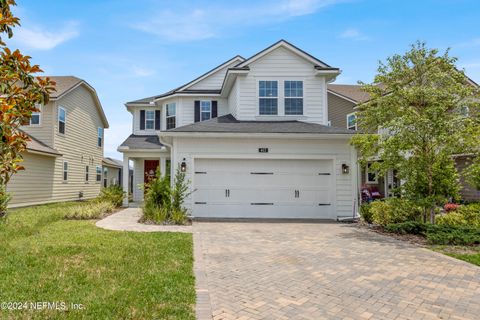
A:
[(261, 203), (297, 193), (324, 204), (227, 193)]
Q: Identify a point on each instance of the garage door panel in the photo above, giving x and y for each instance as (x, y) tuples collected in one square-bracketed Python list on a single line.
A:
[(263, 188)]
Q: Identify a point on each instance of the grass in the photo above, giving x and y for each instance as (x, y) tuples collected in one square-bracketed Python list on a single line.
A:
[(468, 254), (114, 275)]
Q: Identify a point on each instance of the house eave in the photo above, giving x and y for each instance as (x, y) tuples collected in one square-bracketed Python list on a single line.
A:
[(256, 135)]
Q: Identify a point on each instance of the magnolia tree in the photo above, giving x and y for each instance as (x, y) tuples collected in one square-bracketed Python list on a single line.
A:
[(20, 93), (422, 111)]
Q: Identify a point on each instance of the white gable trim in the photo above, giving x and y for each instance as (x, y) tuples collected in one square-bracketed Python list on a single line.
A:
[(288, 46), (209, 73)]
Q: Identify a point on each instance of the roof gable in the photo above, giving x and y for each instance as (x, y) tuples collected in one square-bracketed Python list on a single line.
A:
[(290, 47)]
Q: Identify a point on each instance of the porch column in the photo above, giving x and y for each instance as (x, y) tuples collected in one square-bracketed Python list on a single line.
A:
[(163, 166), (125, 176)]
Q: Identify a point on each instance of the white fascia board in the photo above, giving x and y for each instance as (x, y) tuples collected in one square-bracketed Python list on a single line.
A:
[(256, 135), (181, 94), (229, 80)]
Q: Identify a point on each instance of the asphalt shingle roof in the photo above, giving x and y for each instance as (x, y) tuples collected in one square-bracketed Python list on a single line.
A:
[(229, 124), (142, 142), (36, 145), (350, 91)]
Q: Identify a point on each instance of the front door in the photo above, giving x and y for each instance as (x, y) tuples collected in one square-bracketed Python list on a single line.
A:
[(150, 168)]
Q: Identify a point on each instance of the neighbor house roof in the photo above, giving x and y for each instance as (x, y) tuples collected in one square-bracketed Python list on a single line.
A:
[(349, 91), (229, 124), (112, 162), (65, 84), (37, 146), (141, 142)]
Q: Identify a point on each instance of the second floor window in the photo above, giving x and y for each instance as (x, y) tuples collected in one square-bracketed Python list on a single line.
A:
[(100, 137), (268, 97), (293, 97), (149, 119), (62, 120), (205, 110), (352, 121), (171, 115), (36, 117)]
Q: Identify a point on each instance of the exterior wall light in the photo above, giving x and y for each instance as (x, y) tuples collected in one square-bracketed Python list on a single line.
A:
[(183, 166), (345, 168)]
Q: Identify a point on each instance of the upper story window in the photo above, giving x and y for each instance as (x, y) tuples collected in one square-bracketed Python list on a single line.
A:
[(62, 120), (370, 175), (149, 119), (268, 97), (171, 115), (293, 97), (205, 110), (100, 137), (36, 118), (352, 121)]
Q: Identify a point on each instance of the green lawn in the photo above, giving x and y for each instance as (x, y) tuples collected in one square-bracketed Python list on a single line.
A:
[(469, 254), (114, 275)]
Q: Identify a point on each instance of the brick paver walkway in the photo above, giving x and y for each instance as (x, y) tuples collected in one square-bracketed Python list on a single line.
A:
[(325, 271)]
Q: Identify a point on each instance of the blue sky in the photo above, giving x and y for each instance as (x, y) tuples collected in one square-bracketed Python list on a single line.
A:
[(132, 49)]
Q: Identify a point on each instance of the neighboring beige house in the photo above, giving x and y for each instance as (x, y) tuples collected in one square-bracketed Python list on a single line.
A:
[(112, 172), (64, 158)]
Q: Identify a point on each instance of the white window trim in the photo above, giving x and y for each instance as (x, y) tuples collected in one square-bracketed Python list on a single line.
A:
[(100, 137), (64, 171), (170, 116), (39, 113), (281, 98), (352, 114), (209, 112), (58, 120), (302, 97), (98, 174), (367, 181), (146, 119)]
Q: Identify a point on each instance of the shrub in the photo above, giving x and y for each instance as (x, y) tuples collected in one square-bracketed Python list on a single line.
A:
[(90, 210), (409, 227), (450, 235), (366, 213), (113, 194), (394, 210), (179, 216), (154, 213), (466, 215)]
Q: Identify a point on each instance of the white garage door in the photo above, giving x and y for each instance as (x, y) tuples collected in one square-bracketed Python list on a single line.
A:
[(242, 188)]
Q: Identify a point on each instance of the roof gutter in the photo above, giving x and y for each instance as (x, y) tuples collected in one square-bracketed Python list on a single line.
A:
[(254, 135)]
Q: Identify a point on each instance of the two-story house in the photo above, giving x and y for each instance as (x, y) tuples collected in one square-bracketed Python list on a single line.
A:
[(63, 160), (253, 137)]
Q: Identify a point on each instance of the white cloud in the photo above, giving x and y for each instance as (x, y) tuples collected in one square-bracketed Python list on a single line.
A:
[(36, 37), (141, 72), (186, 24), (353, 34)]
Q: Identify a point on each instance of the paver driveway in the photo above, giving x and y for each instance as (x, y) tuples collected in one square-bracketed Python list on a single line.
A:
[(325, 271)]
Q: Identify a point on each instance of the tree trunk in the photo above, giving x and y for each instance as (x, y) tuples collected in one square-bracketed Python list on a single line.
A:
[(432, 215)]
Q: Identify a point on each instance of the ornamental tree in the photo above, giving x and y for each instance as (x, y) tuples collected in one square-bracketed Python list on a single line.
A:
[(422, 111), (20, 92)]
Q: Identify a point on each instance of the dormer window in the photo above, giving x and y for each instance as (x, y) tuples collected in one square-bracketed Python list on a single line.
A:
[(293, 98), (36, 118), (268, 97), (149, 120), (205, 110)]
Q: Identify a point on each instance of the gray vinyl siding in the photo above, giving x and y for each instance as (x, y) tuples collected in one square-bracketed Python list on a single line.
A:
[(35, 184), (187, 108), (44, 131), (467, 192), (338, 109)]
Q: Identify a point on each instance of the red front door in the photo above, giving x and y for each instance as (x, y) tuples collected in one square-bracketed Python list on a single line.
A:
[(150, 168)]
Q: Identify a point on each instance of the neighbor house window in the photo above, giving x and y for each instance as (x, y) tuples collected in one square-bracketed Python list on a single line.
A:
[(150, 119), (62, 120), (205, 110), (464, 111), (36, 116), (268, 97), (86, 173), (371, 176), (99, 173), (99, 137), (65, 170), (352, 121), (293, 97), (171, 115), (105, 177)]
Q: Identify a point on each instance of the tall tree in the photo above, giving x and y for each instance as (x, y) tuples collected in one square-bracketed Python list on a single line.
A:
[(20, 93), (422, 111)]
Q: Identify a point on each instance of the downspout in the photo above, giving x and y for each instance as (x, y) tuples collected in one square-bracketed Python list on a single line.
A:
[(170, 145)]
